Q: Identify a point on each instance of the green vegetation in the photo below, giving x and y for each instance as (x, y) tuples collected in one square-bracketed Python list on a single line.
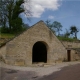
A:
[(6, 35), (74, 31), (10, 18), (56, 27), (67, 39)]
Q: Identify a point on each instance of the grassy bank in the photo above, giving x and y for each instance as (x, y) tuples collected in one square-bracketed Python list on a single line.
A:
[(3, 35), (67, 39)]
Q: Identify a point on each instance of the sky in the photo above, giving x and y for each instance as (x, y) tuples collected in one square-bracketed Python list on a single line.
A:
[(67, 12)]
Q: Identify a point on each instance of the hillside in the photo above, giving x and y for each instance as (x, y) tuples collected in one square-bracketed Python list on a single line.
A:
[(5, 37)]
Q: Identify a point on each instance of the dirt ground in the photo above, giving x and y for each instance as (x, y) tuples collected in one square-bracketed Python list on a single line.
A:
[(9, 74), (66, 73), (70, 72)]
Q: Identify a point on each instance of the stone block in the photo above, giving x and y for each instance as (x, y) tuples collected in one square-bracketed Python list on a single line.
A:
[(19, 62)]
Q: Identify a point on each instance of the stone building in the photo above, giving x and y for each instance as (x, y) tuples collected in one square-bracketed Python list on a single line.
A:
[(73, 50), (37, 44)]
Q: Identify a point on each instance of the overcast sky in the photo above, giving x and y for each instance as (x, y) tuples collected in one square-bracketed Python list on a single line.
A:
[(67, 12)]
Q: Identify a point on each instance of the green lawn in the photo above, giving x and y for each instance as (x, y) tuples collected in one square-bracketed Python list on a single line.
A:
[(5, 35)]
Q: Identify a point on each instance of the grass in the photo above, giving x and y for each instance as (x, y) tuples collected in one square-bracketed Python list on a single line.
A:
[(67, 39), (5, 35)]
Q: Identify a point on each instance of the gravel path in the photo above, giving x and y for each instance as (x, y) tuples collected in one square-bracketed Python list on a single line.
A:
[(9, 72)]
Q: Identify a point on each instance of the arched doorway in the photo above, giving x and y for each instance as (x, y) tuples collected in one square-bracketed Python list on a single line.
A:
[(39, 53)]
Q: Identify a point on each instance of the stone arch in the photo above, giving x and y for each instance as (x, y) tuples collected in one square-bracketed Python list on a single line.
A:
[(39, 52)]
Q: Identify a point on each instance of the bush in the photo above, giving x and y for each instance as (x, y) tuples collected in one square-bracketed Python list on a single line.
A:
[(4, 29)]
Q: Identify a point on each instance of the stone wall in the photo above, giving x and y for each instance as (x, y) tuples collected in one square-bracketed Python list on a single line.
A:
[(74, 47), (75, 55), (19, 50), (71, 44), (3, 53)]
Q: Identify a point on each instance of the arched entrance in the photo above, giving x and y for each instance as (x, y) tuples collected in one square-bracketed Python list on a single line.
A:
[(39, 53)]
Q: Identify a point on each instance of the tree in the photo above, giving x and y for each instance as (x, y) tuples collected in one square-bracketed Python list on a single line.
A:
[(9, 8), (2, 13), (26, 26), (48, 23), (16, 22), (50, 26), (57, 26), (67, 34), (74, 31), (13, 10), (10, 11)]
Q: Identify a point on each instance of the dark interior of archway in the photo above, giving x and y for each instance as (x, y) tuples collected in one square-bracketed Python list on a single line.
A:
[(39, 52)]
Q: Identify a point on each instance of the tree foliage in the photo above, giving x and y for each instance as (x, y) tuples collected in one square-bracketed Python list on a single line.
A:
[(58, 27), (74, 31), (10, 15), (67, 34), (50, 26)]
